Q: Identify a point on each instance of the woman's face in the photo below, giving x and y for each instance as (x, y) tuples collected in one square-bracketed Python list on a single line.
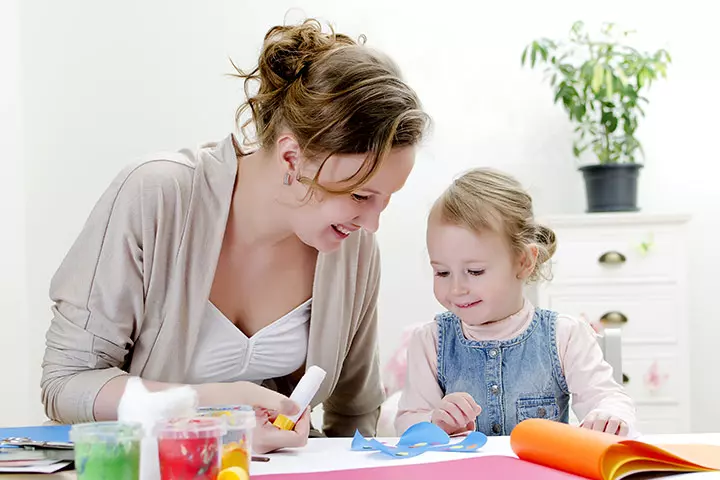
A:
[(326, 220)]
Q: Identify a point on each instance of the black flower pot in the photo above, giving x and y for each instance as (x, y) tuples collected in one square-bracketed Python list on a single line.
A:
[(611, 187)]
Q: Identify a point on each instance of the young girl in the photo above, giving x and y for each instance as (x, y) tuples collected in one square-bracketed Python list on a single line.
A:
[(493, 359)]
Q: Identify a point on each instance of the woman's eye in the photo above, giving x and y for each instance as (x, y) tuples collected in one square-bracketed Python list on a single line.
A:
[(476, 273), (441, 274), (359, 198)]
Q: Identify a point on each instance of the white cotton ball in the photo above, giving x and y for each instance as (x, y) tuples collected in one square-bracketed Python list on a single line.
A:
[(138, 404)]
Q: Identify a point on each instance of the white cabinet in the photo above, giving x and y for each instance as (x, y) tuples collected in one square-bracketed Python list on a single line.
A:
[(630, 270)]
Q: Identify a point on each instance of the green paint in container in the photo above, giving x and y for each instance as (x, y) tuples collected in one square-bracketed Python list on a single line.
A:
[(107, 450)]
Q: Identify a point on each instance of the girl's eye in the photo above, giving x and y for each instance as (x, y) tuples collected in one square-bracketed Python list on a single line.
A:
[(476, 273), (359, 198), (441, 274)]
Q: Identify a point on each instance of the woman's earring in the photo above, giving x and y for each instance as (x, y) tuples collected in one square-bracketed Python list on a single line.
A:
[(287, 179)]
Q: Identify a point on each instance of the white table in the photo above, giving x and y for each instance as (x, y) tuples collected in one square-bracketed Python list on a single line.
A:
[(324, 454)]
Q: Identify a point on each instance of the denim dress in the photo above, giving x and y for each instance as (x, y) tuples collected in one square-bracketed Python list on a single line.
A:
[(512, 380)]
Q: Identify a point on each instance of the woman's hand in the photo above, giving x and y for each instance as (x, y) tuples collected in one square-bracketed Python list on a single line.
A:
[(268, 438), (246, 393), (268, 404)]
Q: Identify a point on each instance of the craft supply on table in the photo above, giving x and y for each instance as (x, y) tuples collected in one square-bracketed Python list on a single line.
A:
[(491, 467), (233, 473), (239, 423), (107, 450), (45, 436), (420, 438), (190, 448), (303, 394)]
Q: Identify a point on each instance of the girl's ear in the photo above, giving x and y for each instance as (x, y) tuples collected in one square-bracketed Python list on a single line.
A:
[(527, 262)]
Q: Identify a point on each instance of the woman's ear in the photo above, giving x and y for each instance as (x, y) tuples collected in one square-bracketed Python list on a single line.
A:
[(527, 262), (288, 153)]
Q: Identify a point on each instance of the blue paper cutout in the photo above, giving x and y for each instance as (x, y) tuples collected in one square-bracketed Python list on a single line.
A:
[(424, 432), (418, 439)]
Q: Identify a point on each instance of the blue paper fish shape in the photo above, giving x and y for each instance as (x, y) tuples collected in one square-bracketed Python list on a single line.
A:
[(420, 438)]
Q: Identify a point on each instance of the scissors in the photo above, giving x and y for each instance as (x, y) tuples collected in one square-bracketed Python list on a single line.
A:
[(27, 442)]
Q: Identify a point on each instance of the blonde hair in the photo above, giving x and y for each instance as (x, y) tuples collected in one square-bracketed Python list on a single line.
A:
[(335, 95), (483, 199)]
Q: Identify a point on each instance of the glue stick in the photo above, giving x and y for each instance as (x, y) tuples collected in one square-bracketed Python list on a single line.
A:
[(302, 395)]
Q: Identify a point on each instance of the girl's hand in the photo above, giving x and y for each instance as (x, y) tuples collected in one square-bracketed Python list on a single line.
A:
[(456, 413), (605, 422)]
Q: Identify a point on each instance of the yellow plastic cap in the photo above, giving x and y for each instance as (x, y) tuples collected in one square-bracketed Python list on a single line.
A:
[(284, 423)]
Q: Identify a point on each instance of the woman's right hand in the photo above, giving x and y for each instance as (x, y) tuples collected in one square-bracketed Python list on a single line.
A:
[(268, 404), (246, 393), (268, 438)]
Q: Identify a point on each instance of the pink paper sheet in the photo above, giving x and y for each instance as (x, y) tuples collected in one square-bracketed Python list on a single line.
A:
[(466, 469)]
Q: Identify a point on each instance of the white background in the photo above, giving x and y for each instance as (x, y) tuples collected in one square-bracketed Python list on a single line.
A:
[(88, 86)]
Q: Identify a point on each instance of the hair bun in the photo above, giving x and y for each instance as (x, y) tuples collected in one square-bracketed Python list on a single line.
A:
[(289, 50), (546, 237)]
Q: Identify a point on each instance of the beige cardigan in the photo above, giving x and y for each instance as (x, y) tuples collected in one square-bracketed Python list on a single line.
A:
[(129, 296)]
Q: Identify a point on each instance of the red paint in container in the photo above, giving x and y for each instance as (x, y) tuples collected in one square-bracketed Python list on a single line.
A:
[(190, 448)]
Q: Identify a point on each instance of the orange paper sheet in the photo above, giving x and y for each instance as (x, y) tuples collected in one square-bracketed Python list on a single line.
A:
[(603, 456)]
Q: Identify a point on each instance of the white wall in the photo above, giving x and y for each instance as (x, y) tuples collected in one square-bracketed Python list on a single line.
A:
[(103, 83), (13, 301)]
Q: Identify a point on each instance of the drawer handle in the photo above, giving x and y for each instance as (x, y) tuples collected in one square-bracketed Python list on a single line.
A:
[(612, 258), (613, 318)]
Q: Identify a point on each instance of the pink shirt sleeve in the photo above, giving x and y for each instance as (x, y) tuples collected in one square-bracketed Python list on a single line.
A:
[(422, 391), (588, 375)]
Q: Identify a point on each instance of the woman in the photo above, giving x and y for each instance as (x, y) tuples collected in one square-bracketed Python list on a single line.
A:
[(200, 267)]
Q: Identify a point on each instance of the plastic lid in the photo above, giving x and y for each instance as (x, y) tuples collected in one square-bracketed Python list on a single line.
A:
[(235, 416), (108, 432), (194, 427)]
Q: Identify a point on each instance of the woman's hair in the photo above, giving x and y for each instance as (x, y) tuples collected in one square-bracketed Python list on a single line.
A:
[(334, 95), (486, 199)]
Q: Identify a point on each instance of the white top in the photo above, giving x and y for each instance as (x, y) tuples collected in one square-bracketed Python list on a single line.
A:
[(225, 354)]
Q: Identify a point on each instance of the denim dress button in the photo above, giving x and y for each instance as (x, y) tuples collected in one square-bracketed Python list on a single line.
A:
[(494, 389), (496, 428), (493, 353), (541, 412)]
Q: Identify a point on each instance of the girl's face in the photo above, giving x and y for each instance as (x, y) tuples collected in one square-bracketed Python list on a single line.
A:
[(478, 277), (326, 220)]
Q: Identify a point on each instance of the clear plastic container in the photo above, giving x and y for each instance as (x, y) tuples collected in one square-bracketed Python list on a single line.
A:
[(190, 448), (107, 450), (237, 443)]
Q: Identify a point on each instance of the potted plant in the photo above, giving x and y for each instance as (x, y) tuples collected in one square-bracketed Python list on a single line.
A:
[(600, 83)]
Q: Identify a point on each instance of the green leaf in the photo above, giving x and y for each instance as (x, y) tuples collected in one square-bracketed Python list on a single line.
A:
[(578, 112), (610, 121), (543, 52), (560, 91), (622, 77), (609, 83), (597, 78), (524, 56)]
